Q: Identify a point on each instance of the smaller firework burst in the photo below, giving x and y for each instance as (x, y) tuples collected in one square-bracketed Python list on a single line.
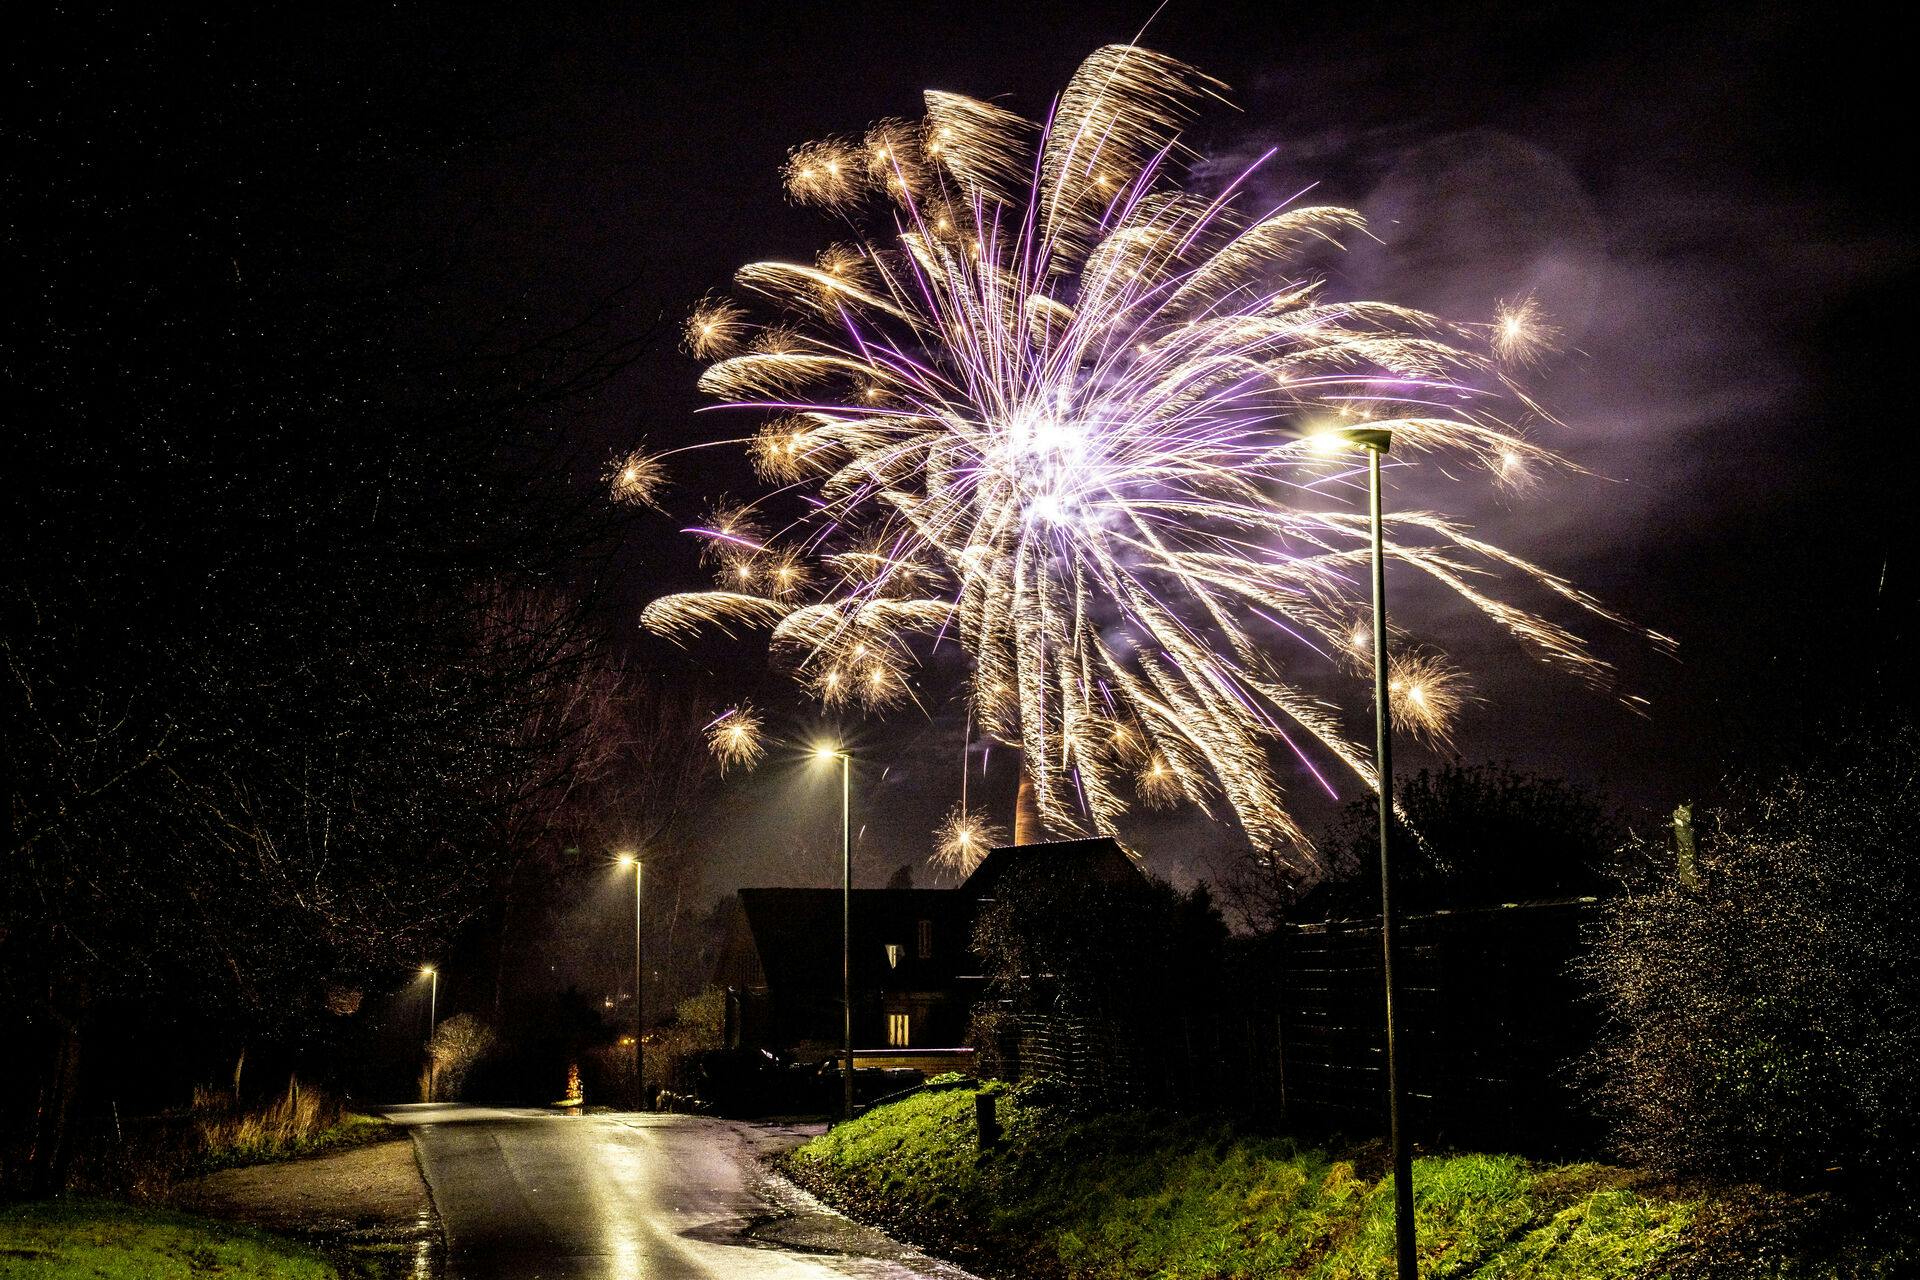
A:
[(783, 575), (634, 479), (1522, 334), (714, 329), (962, 841), (845, 266), (734, 738), (828, 173), (780, 450), (1157, 784), (1426, 694), (730, 531)]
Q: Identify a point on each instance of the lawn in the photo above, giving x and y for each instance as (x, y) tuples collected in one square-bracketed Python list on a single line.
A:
[(1137, 1195), (101, 1240)]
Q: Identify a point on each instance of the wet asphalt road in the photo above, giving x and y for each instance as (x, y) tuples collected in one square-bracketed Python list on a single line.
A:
[(534, 1195)]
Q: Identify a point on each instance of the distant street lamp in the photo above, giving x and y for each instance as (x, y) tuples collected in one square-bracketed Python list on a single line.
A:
[(433, 1010), (1375, 441), (846, 917), (639, 971)]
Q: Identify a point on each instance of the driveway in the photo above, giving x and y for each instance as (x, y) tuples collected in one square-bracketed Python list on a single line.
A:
[(536, 1195)]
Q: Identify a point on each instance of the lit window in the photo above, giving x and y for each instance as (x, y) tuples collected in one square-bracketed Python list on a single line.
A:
[(899, 1030), (893, 955), (926, 939)]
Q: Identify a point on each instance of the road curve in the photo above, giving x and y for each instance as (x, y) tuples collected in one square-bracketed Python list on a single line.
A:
[(535, 1195)]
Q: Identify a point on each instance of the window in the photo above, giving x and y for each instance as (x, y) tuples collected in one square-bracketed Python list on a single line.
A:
[(893, 955), (899, 1030), (926, 939)]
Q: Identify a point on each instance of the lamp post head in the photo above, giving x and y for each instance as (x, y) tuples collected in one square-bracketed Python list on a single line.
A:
[(426, 971), (828, 752), (627, 859), (1339, 439)]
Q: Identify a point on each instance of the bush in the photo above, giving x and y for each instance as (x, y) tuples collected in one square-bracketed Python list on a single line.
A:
[(698, 1026), (1763, 1020), (458, 1043), (1113, 990)]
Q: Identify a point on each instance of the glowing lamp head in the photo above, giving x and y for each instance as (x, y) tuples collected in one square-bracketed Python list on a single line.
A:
[(626, 859), (426, 971), (826, 751), (1334, 440)]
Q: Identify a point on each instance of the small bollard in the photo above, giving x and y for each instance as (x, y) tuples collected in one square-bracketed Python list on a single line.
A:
[(986, 1119)]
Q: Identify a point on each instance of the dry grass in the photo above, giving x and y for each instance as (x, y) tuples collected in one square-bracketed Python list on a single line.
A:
[(294, 1121)]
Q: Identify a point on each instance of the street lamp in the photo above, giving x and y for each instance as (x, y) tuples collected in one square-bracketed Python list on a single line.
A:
[(639, 973), (826, 752), (433, 1008), (1376, 441)]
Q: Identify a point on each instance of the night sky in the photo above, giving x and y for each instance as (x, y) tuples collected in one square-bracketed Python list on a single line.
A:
[(1705, 199)]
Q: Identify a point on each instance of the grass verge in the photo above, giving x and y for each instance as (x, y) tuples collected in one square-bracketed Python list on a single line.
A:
[(227, 1151), (1135, 1195), (68, 1239)]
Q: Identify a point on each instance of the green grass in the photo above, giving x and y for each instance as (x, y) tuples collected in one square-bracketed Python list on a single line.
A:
[(68, 1239), (1136, 1195)]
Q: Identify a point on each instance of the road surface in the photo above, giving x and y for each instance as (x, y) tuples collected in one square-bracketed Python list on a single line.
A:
[(536, 1195)]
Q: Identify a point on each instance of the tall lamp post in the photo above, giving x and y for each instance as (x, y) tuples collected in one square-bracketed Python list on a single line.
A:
[(846, 919), (433, 1010), (639, 979), (1375, 441)]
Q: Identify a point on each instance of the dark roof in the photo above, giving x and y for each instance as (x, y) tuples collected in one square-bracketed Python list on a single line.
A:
[(796, 933), (1096, 861)]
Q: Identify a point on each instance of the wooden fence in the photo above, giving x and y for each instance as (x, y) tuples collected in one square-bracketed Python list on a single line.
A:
[(1492, 1023)]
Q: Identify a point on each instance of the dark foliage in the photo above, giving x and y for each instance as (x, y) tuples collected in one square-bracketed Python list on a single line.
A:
[(296, 593), (1111, 990), (1468, 835), (1765, 1007)]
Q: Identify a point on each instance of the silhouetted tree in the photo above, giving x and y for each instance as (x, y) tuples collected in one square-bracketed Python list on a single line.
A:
[(1465, 835)]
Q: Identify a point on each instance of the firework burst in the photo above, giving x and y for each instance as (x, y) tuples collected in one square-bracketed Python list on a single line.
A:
[(1057, 409), (734, 738), (635, 479), (962, 841)]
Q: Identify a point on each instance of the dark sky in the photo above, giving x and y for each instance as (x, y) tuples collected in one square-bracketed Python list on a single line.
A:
[(1704, 198)]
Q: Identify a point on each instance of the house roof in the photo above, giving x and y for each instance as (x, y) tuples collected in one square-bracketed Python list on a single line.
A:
[(1096, 861), (796, 933)]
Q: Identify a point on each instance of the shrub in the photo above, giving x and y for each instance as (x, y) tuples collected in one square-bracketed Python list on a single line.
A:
[(458, 1043), (1763, 1017), (698, 1026)]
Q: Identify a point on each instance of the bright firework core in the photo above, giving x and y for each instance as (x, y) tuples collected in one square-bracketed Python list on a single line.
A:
[(1067, 414), (1049, 456)]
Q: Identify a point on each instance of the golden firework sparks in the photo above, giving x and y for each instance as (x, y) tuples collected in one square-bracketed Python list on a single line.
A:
[(715, 329), (734, 738), (1521, 332), (1425, 693), (635, 479), (830, 173), (963, 839)]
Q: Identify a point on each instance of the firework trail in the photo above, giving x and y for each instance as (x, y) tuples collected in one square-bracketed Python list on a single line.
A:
[(1048, 405)]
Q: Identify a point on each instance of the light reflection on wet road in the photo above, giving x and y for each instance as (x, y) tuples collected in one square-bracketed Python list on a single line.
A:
[(535, 1195)]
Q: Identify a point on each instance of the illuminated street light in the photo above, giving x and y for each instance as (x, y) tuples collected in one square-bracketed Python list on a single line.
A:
[(433, 1009), (630, 859), (829, 752), (1376, 441)]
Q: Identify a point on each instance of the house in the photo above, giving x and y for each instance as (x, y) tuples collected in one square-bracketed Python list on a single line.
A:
[(914, 976)]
